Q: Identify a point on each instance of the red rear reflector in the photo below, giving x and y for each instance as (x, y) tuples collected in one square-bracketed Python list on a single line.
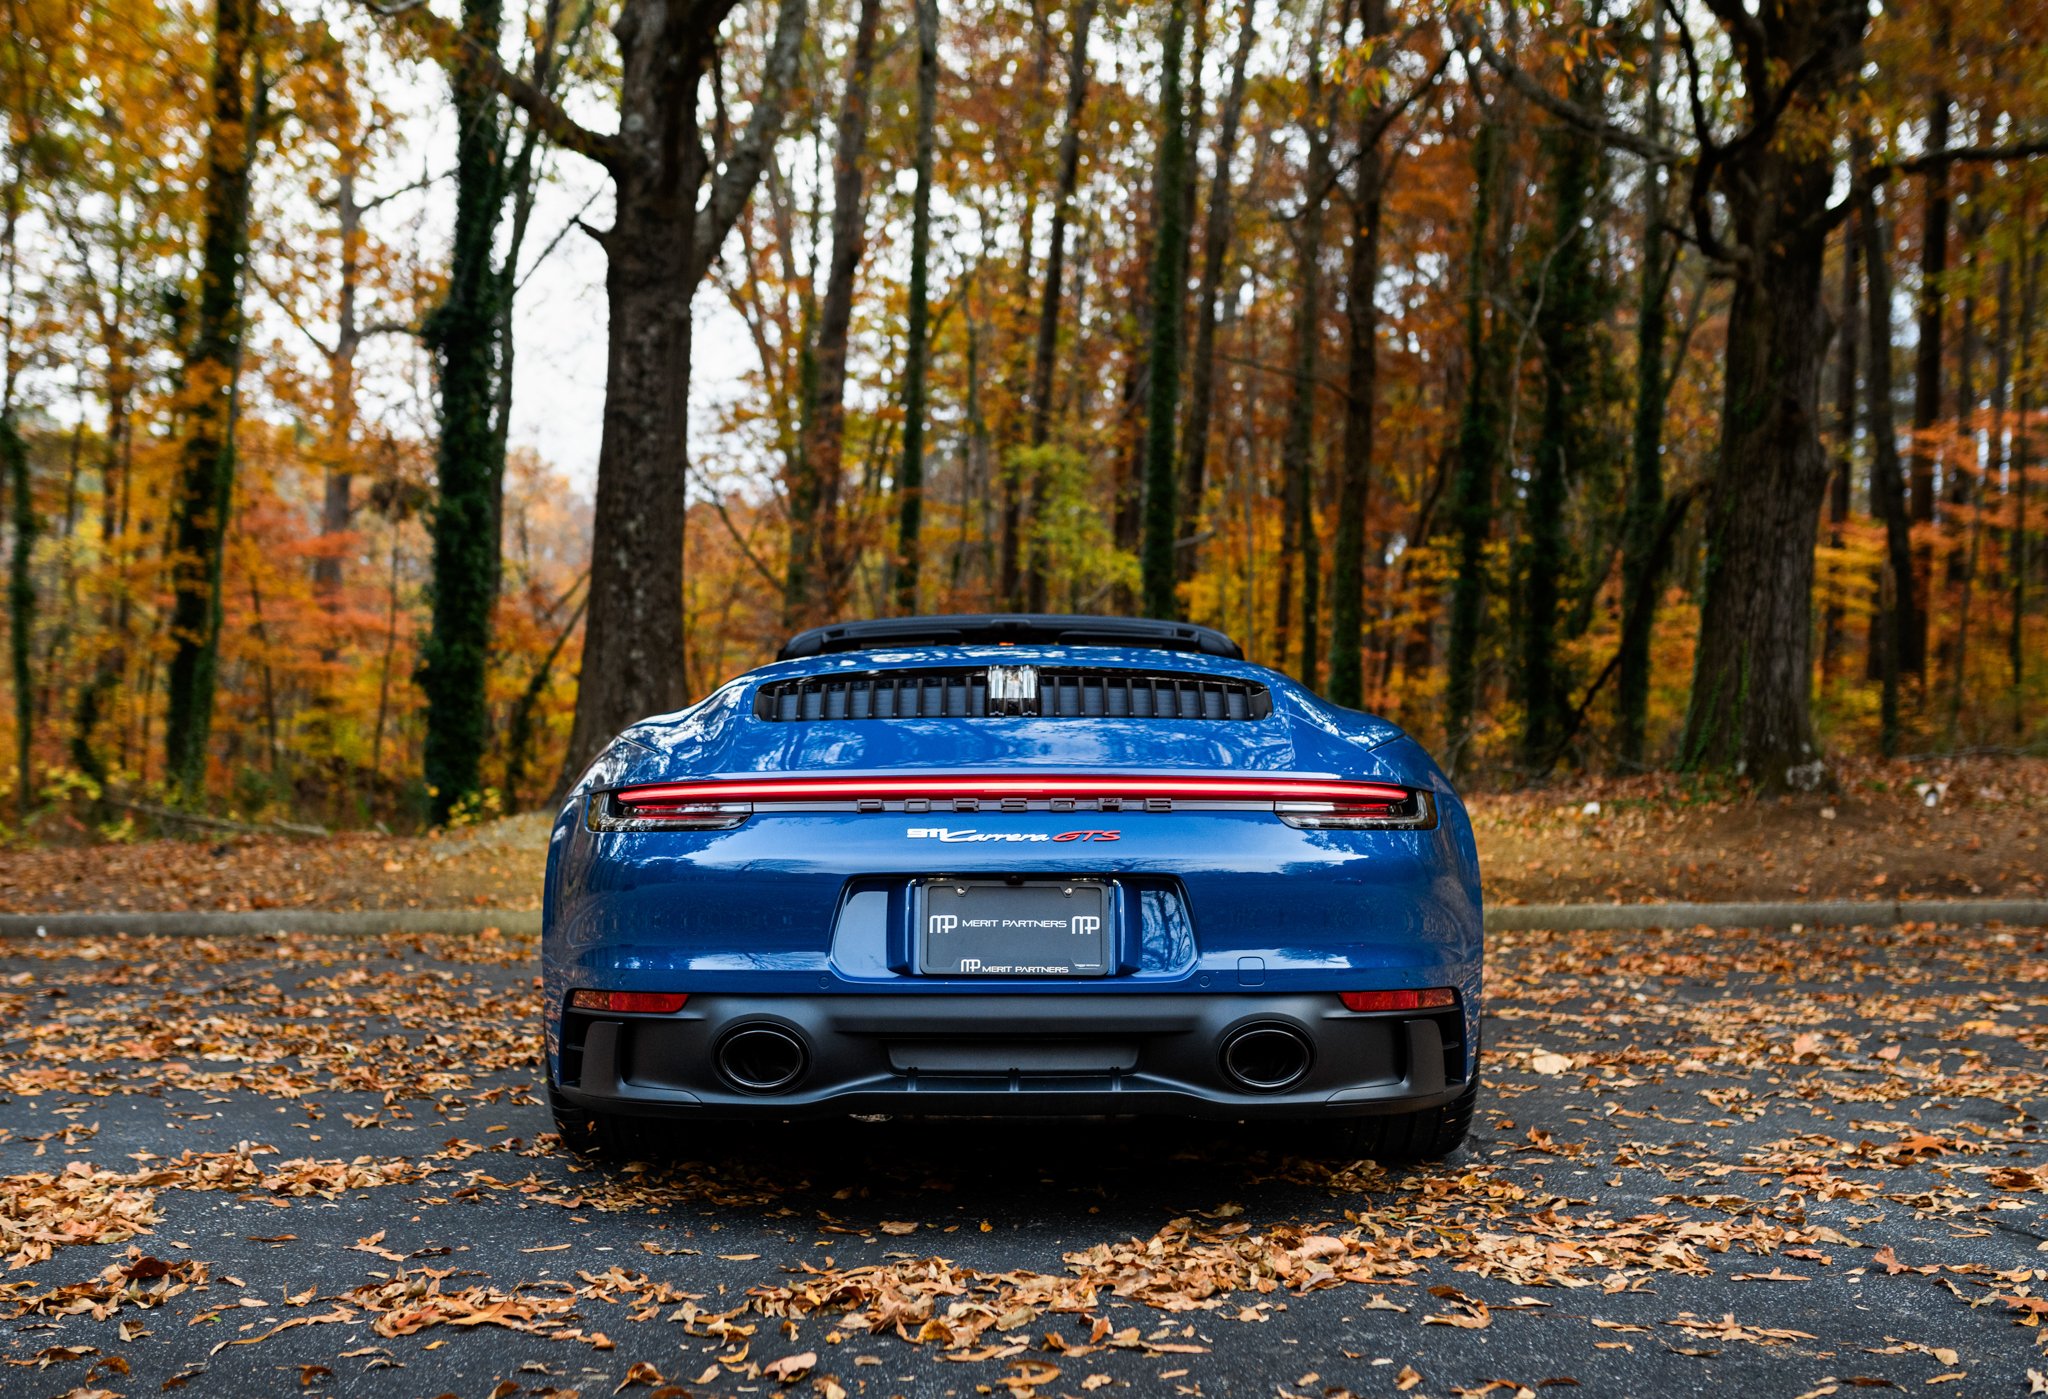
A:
[(1431, 998), (630, 1002)]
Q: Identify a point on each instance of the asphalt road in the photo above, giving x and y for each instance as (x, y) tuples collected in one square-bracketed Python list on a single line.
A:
[(1783, 1164)]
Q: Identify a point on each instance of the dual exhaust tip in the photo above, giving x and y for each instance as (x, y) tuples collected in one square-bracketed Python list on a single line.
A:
[(1264, 1057), (762, 1058)]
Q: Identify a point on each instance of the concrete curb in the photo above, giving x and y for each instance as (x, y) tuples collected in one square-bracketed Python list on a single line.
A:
[(1947, 913), (1820, 913), (370, 923)]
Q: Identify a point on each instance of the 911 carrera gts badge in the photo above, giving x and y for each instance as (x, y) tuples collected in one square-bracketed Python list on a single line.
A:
[(951, 836)]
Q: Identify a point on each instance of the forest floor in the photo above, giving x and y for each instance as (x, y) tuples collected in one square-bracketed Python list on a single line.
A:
[(1938, 828), (1718, 1163)]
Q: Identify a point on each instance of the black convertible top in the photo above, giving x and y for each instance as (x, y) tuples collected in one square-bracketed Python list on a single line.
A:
[(995, 628)]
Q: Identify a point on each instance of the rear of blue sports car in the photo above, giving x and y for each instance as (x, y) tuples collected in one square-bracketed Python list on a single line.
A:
[(1015, 865)]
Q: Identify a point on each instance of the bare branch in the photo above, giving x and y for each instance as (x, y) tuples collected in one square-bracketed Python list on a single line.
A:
[(1570, 113), (1881, 172), (735, 182), (1699, 196), (1960, 155), (548, 114)]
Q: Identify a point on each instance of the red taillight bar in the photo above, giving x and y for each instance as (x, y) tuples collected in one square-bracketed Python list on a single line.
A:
[(1125, 785), (630, 1002), (1429, 998)]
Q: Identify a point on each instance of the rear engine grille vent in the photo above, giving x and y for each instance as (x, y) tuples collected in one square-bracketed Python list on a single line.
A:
[(1046, 692)]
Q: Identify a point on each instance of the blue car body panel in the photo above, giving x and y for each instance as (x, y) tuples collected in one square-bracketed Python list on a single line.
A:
[(817, 903)]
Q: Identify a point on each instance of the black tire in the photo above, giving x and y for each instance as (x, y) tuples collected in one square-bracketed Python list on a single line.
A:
[(616, 1139), (1400, 1137)]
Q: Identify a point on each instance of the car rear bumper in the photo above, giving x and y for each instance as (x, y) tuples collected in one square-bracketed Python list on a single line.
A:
[(999, 1055)]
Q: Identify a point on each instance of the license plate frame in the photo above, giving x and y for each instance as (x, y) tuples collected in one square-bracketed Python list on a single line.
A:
[(978, 944)]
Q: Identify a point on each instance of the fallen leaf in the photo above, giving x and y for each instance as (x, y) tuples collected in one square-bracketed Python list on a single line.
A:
[(790, 1368), (640, 1372)]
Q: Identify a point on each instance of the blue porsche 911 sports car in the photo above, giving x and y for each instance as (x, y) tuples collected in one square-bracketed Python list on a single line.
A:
[(1015, 864)]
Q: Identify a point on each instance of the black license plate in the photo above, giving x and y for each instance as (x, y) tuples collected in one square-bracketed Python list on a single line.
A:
[(971, 927)]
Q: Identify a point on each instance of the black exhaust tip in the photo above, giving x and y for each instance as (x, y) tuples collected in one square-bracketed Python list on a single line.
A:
[(1266, 1057), (762, 1058)]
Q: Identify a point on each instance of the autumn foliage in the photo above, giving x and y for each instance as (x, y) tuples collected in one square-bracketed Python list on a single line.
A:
[(1341, 390)]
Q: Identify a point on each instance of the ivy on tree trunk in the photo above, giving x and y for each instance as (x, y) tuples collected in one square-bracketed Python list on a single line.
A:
[(463, 334), (203, 494)]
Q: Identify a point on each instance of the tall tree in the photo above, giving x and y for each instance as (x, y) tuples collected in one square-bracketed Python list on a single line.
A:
[(2031, 255), (21, 599), (203, 494), (1297, 464), (1928, 354), (1641, 562), (462, 333), (1055, 274), (819, 557), (1216, 236), (1169, 278), (1478, 448), (1568, 299), (1762, 207), (23, 92), (660, 245), (1363, 197), (1846, 402), (1995, 459), (917, 352), (1752, 681), (1893, 631)]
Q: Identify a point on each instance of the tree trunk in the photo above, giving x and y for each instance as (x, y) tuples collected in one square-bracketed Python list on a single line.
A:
[(820, 557), (1751, 681), (1478, 449), (21, 607), (1893, 630), (1642, 564), (519, 728), (1567, 324), (917, 354), (1354, 478), (1641, 569), (1297, 464), (462, 333), (337, 505), (2001, 387), (1927, 371), (1055, 273), (1169, 290), (1361, 391), (1216, 235), (2022, 460), (203, 494), (658, 249), (1752, 675), (1846, 402)]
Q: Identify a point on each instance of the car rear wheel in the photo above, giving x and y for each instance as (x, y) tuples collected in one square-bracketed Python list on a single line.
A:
[(1400, 1137)]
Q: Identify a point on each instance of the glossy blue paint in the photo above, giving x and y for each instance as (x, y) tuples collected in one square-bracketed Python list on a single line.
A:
[(817, 902)]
